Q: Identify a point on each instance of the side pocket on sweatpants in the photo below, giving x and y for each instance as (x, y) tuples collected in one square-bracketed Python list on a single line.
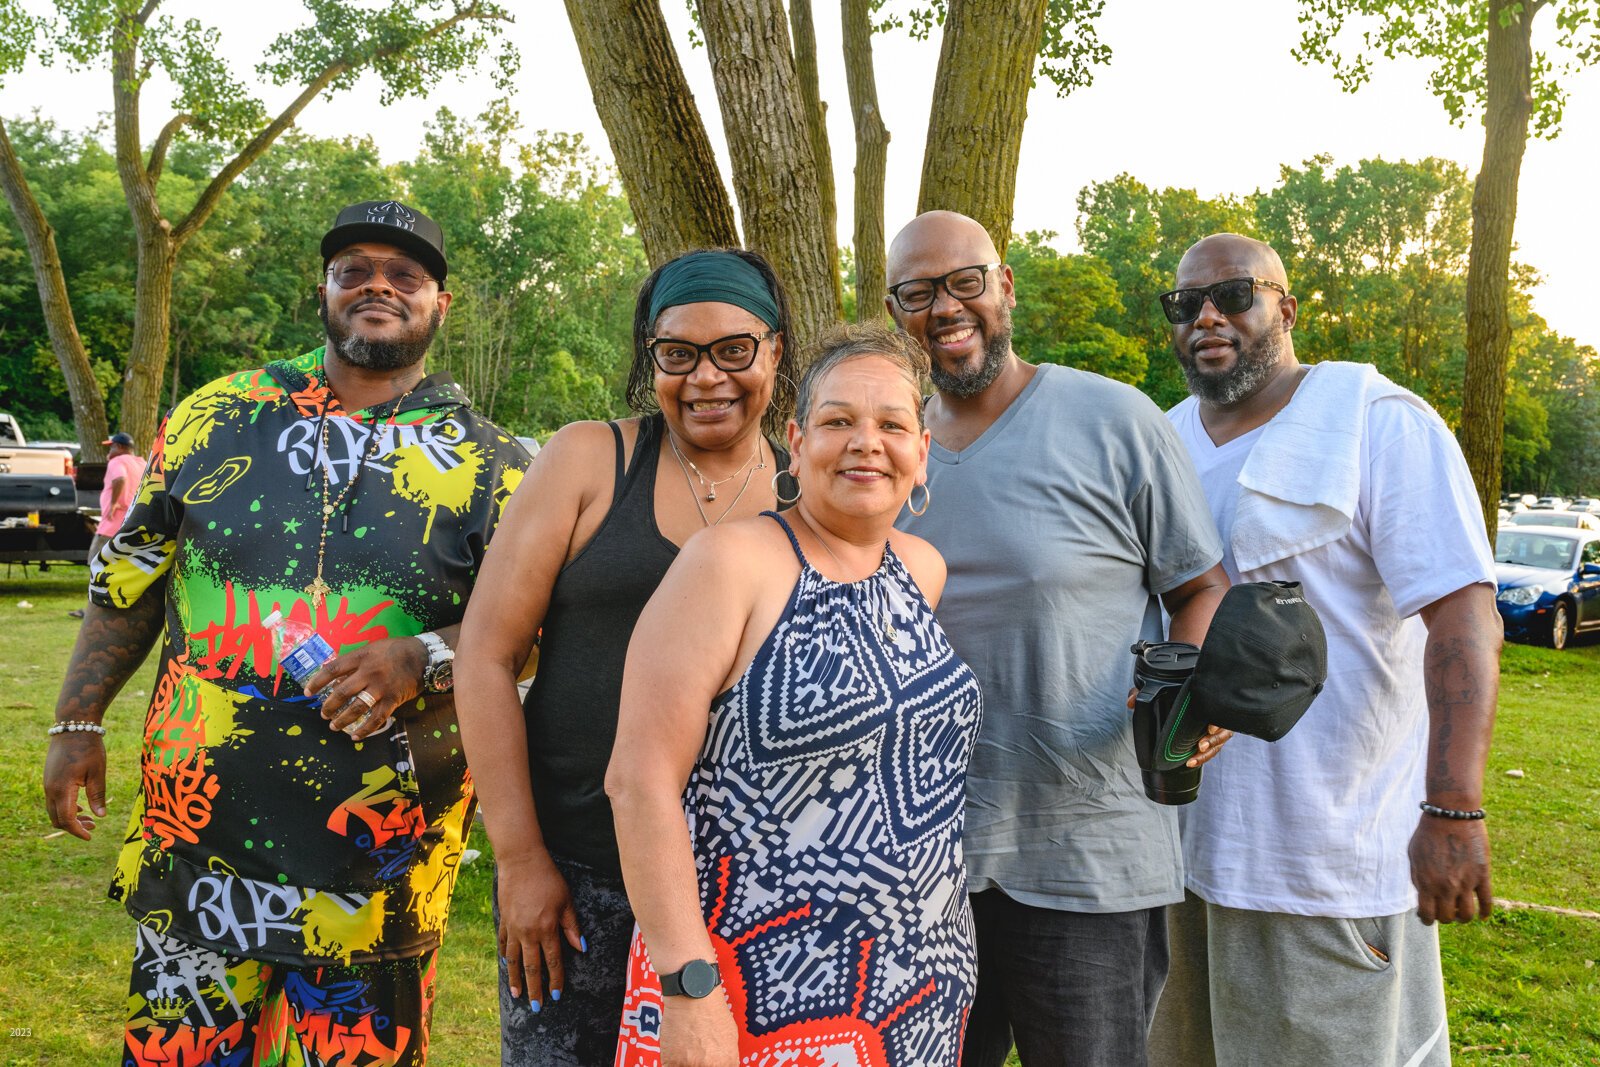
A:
[(1370, 943)]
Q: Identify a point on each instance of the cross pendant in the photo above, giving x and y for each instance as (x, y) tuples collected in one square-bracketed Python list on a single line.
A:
[(318, 590)]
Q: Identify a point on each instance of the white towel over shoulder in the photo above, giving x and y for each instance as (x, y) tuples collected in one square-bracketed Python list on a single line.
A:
[(1301, 485)]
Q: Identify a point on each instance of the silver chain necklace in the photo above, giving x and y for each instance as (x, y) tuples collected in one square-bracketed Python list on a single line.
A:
[(710, 485), (684, 465)]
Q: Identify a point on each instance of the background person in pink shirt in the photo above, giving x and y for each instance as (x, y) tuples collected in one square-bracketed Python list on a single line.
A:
[(124, 472)]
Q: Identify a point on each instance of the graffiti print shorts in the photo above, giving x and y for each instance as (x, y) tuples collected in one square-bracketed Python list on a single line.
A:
[(190, 1006)]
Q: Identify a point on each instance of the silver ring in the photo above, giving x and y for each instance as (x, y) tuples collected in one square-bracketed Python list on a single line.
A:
[(365, 698)]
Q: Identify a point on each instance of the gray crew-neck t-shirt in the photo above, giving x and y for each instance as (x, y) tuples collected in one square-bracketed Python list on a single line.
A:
[(1061, 524)]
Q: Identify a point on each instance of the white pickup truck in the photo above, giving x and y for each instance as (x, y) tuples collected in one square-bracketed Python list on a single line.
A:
[(41, 520)]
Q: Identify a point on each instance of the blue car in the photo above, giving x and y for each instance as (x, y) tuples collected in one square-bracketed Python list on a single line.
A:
[(1549, 582)]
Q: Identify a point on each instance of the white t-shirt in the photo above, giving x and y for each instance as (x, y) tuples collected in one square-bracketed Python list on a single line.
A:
[(1318, 822)]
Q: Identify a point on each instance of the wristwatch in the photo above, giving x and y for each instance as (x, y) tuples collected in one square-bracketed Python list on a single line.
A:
[(439, 675), (697, 979)]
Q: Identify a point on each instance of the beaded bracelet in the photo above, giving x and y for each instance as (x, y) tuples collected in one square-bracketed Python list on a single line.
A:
[(1451, 813), (74, 725)]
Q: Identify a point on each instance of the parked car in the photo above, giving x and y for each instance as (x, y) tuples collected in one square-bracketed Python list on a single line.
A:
[(1585, 503), (1551, 503), (1576, 520), (1548, 582), (42, 516)]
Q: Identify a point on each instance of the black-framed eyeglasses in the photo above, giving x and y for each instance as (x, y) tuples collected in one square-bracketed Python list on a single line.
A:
[(732, 353), (963, 283), (1232, 296), (405, 275)]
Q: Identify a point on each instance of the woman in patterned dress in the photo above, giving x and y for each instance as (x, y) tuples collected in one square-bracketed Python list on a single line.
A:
[(812, 909)]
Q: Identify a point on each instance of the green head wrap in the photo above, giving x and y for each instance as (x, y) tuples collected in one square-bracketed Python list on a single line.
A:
[(720, 277)]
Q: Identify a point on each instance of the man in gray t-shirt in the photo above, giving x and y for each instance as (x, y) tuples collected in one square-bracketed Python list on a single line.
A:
[(1069, 514)]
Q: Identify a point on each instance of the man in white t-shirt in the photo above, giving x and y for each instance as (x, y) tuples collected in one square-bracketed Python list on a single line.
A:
[(1316, 865)]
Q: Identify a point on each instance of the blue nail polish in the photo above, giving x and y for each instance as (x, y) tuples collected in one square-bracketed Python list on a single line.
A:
[(533, 1006), (583, 943), (555, 995)]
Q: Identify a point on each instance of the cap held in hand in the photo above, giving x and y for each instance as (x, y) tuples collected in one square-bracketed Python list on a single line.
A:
[(1264, 661)]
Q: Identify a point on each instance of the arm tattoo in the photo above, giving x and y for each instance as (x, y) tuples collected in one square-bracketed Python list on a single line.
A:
[(112, 644), (1461, 675)]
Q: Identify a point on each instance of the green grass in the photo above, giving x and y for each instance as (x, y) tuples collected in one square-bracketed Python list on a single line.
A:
[(1522, 988)]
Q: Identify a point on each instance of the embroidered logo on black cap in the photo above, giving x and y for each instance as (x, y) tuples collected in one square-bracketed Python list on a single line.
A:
[(392, 213)]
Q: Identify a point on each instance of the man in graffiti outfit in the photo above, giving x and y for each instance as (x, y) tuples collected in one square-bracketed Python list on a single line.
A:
[(291, 851)]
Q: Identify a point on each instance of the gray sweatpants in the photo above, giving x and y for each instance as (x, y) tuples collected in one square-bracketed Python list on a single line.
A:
[(1263, 989)]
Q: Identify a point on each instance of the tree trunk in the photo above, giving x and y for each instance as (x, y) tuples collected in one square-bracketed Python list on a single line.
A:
[(88, 406), (663, 154), (805, 62), (872, 160), (774, 169), (152, 327), (980, 101), (1494, 216)]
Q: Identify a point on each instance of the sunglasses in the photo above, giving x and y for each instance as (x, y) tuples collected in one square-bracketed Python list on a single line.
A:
[(732, 353), (404, 275), (1231, 297)]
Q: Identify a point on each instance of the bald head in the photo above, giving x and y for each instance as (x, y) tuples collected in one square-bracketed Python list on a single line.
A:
[(1230, 255), (942, 234)]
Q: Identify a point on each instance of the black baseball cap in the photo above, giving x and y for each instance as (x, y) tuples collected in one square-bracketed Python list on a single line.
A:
[(119, 438), (392, 223), (1264, 661)]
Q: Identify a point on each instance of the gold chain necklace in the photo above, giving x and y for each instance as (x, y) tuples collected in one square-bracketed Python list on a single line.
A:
[(684, 465), (318, 590)]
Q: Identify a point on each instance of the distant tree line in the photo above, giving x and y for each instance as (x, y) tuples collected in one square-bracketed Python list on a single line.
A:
[(545, 260)]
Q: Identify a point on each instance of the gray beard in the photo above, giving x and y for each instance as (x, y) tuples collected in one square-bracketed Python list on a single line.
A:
[(996, 349), (358, 351), (1252, 370)]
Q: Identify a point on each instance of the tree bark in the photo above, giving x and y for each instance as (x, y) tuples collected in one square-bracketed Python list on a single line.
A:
[(805, 62), (663, 155), (88, 406), (1494, 216), (158, 240), (774, 169), (872, 160), (980, 101)]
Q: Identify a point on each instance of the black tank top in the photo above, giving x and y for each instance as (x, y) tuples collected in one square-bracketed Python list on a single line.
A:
[(571, 709)]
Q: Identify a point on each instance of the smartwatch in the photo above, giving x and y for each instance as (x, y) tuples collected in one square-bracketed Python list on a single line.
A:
[(697, 979), (439, 674)]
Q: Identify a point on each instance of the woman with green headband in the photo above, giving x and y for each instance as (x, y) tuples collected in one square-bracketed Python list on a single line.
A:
[(582, 545)]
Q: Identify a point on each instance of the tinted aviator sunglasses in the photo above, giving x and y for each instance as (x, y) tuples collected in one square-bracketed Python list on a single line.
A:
[(403, 275), (1230, 297)]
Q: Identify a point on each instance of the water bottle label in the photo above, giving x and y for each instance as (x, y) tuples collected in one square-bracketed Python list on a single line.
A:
[(303, 659)]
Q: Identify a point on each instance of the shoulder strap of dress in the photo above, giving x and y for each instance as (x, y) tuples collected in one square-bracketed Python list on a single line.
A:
[(794, 542)]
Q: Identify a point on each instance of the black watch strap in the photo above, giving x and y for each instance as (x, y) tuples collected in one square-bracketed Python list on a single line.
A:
[(696, 979)]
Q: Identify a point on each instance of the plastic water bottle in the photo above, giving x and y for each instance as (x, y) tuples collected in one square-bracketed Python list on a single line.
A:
[(301, 650)]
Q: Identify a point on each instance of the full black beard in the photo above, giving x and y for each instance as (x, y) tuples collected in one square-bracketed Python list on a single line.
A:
[(996, 347), (405, 351), (1249, 373)]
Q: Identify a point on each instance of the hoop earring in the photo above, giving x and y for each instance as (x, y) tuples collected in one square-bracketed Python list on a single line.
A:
[(927, 498), (778, 496)]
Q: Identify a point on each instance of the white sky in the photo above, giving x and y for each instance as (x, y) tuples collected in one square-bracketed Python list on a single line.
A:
[(1215, 60)]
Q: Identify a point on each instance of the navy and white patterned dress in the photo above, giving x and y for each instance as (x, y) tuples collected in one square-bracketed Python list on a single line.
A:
[(826, 814)]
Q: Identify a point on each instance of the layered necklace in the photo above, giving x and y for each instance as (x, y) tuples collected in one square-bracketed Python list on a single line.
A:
[(686, 465), (318, 590)]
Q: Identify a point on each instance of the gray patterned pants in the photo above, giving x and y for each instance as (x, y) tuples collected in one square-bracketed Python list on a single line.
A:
[(579, 1030)]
